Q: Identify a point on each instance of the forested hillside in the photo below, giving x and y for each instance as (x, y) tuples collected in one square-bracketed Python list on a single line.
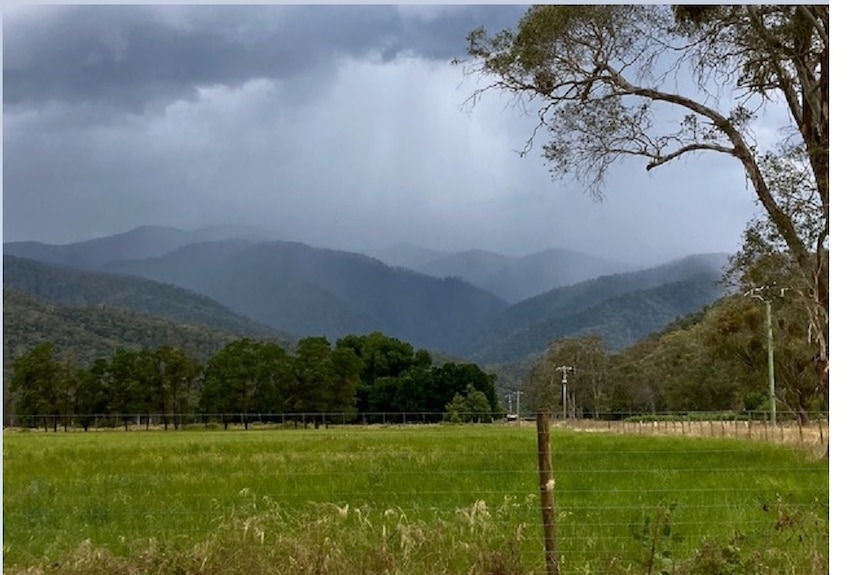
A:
[(75, 287), (88, 332), (266, 289), (528, 326), (633, 337), (332, 294), (246, 285), (304, 290), (620, 320)]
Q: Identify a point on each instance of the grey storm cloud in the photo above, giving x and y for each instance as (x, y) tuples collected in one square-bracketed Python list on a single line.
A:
[(127, 57), (339, 126)]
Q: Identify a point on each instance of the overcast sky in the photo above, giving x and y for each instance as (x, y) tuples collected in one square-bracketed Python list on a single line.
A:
[(339, 126)]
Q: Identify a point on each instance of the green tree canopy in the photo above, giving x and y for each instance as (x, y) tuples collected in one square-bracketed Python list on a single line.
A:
[(246, 377), (39, 384), (473, 407), (175, 383)]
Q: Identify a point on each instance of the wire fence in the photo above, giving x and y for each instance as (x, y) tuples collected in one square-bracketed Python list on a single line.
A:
[(476, 483), (811, 428)]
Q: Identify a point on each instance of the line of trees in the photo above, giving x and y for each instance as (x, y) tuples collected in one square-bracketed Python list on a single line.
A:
[(715, 360), (360, 374)]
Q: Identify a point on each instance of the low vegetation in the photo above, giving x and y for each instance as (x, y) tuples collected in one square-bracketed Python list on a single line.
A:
[(413, 499)]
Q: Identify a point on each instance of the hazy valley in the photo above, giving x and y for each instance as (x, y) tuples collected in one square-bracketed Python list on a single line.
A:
[(236, 281)]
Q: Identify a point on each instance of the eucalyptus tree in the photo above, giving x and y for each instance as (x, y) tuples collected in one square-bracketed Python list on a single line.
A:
[(658, 83), (246, 377), (327, 378), (88, 390), (587, 361), (38, 384), (765, 269), (175, 383), (733, 336), (590, 355), (124, 395)]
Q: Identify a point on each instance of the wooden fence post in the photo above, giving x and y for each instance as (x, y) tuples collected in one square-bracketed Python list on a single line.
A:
[(546, 488)]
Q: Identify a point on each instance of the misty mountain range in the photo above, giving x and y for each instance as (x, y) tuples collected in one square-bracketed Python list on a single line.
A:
[(511, 278), (475, 304)]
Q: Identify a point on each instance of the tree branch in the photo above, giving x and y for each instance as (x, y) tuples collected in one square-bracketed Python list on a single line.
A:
[(685, 149), (821, 31), (740, 150)]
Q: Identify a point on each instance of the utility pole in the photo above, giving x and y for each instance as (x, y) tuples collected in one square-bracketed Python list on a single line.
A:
[(517, 395), (754, 292), (770, 362), (518, 406), (565, 370)]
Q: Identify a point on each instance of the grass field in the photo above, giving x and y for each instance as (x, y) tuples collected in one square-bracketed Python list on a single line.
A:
[(414, 499)]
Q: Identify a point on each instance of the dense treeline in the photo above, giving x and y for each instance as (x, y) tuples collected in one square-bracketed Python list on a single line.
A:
[(249, 379), (81, 335), (714, 360)]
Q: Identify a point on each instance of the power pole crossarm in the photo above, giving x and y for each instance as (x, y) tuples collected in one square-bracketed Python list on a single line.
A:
[(565, 370)]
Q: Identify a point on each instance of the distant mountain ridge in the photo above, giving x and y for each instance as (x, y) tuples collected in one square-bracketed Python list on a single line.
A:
[(518, 278), (141, 242), (310, 291), (304, 290), (406, 255), (78, 288), (593, 291)]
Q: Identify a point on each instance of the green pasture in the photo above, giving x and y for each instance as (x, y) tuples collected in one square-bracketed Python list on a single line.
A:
[(638, 502)]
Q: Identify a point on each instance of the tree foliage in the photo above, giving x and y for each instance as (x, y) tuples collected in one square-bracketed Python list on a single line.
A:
[(586, 382), (244, 378), (249, 380), (607, 78), (328, 378), (174, 384), (38, 382), (471, 407), (718, 361), (712, 360)]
